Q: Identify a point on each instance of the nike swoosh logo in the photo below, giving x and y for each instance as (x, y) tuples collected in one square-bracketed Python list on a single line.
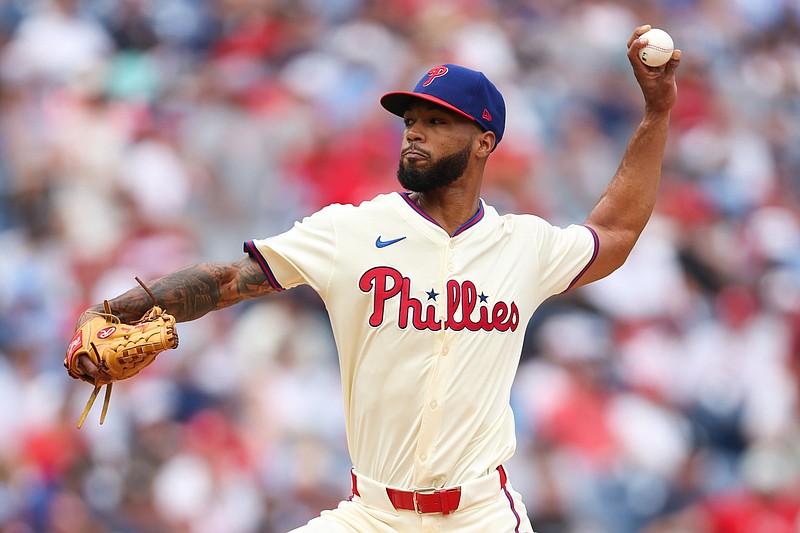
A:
[(383, 244)]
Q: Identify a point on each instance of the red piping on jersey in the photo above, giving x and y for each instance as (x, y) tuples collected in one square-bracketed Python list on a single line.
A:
[(464, 227), (594, 256), (251, 249)]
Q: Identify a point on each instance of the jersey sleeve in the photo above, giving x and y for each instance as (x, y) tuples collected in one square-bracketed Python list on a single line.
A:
[(303, 255), (564, 255)]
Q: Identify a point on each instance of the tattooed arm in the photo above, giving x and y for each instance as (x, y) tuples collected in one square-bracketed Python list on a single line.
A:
[(193, 291), (186, 294)]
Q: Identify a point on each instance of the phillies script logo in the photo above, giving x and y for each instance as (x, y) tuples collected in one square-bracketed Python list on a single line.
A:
[(435, 72), (466, 309)]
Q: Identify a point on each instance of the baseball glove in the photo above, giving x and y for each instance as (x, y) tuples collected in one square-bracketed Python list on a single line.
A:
[(119, 350)]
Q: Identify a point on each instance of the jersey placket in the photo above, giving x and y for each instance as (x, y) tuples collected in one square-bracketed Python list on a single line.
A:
[(434, 409)]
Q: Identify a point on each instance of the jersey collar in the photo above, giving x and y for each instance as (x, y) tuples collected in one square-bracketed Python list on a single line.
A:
[(464, 227)]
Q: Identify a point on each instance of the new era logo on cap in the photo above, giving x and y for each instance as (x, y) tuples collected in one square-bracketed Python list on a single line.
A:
[(465, 91)]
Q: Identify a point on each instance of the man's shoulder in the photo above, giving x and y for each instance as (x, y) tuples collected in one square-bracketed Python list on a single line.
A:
[(379, 202), (514, 219), (381, 206)]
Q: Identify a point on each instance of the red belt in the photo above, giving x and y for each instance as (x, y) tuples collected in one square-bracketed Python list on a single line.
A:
[(425, 501)]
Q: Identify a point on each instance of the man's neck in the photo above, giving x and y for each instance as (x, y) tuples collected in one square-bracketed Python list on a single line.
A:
[(451, 207)]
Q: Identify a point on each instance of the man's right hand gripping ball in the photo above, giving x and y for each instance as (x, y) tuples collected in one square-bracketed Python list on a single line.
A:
[(118, 351)]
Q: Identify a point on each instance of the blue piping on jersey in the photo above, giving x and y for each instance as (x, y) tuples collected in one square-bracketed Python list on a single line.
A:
[(594, 256), (513, 509), (464, 227), (251, 249)]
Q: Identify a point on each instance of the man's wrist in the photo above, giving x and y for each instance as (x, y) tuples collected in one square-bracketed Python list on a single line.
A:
[(655, 118)]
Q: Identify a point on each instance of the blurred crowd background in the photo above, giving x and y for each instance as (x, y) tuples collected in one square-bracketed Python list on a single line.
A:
[(139, 136)]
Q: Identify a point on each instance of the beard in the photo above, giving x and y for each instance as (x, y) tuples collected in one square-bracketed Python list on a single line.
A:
[(439, 174)]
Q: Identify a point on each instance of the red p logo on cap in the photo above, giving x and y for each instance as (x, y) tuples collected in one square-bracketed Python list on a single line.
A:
[(435, 72)]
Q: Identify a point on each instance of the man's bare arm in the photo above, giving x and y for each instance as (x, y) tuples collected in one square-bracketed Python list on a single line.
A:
[(191, 292), (186, 294), (624, 208)]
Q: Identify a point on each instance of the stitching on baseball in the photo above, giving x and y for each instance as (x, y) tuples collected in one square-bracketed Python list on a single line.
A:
[(659, 48)]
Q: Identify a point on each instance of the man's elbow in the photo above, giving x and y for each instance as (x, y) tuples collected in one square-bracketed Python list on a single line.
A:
[(613, 252)]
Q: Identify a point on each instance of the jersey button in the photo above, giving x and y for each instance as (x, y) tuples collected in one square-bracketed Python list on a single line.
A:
[(445, 350), (434, 404), (423, 457), (451, 267)]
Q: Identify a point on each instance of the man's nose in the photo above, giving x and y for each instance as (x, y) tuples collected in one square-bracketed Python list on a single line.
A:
[(414, 134)]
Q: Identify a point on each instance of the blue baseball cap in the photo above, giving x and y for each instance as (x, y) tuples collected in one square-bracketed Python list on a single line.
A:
[(465, 91)]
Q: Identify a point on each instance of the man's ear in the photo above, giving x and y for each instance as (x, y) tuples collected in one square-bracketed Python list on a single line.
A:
[(486, 143)]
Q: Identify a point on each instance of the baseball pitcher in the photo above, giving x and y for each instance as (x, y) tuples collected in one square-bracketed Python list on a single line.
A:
[(429, 291)]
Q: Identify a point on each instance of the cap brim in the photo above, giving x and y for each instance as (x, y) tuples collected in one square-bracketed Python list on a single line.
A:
[(397, 103)]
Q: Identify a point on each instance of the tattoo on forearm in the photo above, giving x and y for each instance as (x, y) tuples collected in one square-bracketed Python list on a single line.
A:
[(251, 281), (192, 292)]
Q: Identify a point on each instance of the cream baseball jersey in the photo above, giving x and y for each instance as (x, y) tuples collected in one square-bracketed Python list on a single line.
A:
[(429, 328)]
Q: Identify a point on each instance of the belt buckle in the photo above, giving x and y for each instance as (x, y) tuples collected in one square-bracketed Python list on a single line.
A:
[(422, 491)]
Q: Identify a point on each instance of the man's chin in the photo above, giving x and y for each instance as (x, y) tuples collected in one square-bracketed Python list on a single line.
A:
[(428, 176), (414, 165)]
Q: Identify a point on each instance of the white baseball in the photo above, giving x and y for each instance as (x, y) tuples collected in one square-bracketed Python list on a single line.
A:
[(659, 48)]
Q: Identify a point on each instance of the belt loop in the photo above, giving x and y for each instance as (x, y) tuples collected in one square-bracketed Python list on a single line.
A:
[(445, 502)]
